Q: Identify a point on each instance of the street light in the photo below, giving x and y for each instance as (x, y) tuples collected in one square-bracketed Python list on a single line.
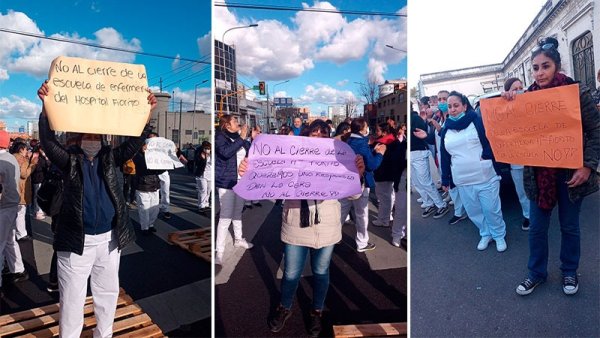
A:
[(392, 47), (239, 27), (268, 110)]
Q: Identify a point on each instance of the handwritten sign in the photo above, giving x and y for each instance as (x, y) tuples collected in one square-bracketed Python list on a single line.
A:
[(161, 154), (97, 97), (297, 167), (540, 128)]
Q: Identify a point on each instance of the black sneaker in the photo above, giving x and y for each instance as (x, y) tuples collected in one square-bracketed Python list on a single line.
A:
[(18, 277), (455, 219), (527, 286), (315, 323), (525, 225), (277, 322), (441, 212), (52, 287), (368, 247), (570, 285), (257, 204), (428, 211), (152, 229), (167, 215)]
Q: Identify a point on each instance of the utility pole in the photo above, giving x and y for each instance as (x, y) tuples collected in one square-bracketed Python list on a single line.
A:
[(180, 111), (268, 110)]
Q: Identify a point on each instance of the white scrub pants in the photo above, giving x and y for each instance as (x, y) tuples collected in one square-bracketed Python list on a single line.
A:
[(421, 178), (100, 259), (517, 176), (482, 203), (204, 189), (147, 205), (459, 209), (361, 211), (9, 248), (20, 223), (399, 224), (385, 194), (231, 206), (165, 191)]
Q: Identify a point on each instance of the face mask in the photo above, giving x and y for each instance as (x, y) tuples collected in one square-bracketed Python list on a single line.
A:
[(367, 132), (443, 106), (90, 148), (457, 117), (207, 151)]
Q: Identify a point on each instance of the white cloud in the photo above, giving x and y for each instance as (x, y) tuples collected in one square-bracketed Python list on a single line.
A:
[(18, 107), (281, 93), (342, 83), (202, 98), (176, 61), (205, 45), (324, 94), (314, 28), (3, 74)]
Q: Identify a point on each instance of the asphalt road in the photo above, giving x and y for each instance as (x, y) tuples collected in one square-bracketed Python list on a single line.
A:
[(458, 291), (357, 294), (170, 284)]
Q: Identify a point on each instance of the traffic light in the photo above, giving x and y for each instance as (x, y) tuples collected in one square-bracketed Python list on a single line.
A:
[(261, 87)]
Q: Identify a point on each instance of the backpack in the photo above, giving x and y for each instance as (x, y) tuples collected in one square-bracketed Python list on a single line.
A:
[(50, 194)]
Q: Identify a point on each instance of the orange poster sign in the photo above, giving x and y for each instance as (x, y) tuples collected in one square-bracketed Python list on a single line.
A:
[(540, 128), (97, 97)]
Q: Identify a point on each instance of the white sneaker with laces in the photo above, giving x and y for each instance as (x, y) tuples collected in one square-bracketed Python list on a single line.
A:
[(241, 243)]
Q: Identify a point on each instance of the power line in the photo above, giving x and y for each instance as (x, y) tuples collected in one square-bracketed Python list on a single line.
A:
[(301, 9), (193, 75), (89, 44), (175, 70)]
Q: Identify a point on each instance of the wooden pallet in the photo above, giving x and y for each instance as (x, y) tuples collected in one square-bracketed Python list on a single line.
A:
[(130, 321), (370, 330), (197, 241)]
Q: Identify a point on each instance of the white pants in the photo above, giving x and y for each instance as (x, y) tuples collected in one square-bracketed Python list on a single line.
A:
[(459, 209), (385, 194), (482, 203), (34, 204), (147, 205), (21, 228), (517, 176), (204, 189), (399, 224), (421, 178), (100, 259), (9, 248), (231, 206), (165, 190), (361, 211)]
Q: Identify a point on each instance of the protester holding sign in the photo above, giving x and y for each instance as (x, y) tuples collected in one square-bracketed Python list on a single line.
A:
[(93, 225), (547, 187), (467, 163), (231, 148), (146, 194), (308, 226)]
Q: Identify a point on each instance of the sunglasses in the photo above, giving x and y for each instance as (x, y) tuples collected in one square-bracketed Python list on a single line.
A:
[(545, 46)]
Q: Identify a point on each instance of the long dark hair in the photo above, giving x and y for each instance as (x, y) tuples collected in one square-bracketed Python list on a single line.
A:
[(508, 83)]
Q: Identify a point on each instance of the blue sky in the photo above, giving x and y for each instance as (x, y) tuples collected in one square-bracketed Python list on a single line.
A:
[(321, 54), (178, 28)]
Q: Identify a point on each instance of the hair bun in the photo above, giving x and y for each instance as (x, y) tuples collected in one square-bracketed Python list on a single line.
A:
[(549, 40)]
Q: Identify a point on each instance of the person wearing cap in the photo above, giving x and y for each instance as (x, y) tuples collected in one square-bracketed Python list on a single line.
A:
[(10, 175), (94, 224)]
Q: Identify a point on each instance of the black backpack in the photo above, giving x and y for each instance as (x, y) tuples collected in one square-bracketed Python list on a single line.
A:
[(50, 194)]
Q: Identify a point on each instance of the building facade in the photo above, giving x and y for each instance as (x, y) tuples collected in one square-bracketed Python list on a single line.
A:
[(226, 100)]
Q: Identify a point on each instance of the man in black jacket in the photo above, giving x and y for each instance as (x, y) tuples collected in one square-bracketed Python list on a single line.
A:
[(94, 223)]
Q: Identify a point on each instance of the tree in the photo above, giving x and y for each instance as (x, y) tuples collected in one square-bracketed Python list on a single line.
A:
[(370, 90), (351, 106)]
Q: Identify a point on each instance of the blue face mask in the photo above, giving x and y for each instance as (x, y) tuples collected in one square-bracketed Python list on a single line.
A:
[(457, 117), (443, 106)]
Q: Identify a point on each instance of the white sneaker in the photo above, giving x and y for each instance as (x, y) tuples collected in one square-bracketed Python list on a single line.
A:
[(419, 200), (483, 243), (219, 258), (423, 206), (396, 242), (241, 243), (500, 245)]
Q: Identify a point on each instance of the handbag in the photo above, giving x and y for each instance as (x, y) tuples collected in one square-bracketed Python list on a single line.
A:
[(50, 194)]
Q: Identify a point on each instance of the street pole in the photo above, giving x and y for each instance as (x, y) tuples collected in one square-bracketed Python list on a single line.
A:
[(274, 86), (240, 27), (180, 111), (268, 110)]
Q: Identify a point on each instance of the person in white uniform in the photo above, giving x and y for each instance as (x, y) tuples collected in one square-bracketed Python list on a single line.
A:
[(467, 162)]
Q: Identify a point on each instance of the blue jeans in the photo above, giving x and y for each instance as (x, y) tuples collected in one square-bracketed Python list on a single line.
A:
[(568, 215), (294, 259)]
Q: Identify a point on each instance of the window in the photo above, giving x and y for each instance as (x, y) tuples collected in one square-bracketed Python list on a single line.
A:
[(188, 132), (175, 136)]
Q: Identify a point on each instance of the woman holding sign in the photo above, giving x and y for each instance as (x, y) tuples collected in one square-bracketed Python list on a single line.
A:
[(467, 163), (549, 187), (231, 149)]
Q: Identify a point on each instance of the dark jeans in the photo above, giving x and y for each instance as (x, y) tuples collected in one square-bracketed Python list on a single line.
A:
[(568, 215), (53, 277), (190, 166), (129, 187), (294, 260)]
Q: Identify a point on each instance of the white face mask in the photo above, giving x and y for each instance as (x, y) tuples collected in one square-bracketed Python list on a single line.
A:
[(367, 132), (90, 148)]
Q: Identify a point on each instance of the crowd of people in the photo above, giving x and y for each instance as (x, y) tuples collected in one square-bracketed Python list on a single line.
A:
[(450, 133), (313, 227)]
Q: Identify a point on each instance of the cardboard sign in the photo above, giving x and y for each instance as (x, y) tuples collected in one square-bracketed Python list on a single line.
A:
[(298, 167), (161, 154), (540, 128), (97, 97)]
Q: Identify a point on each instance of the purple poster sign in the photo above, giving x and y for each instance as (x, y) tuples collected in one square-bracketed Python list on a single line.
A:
[(297, 167)]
